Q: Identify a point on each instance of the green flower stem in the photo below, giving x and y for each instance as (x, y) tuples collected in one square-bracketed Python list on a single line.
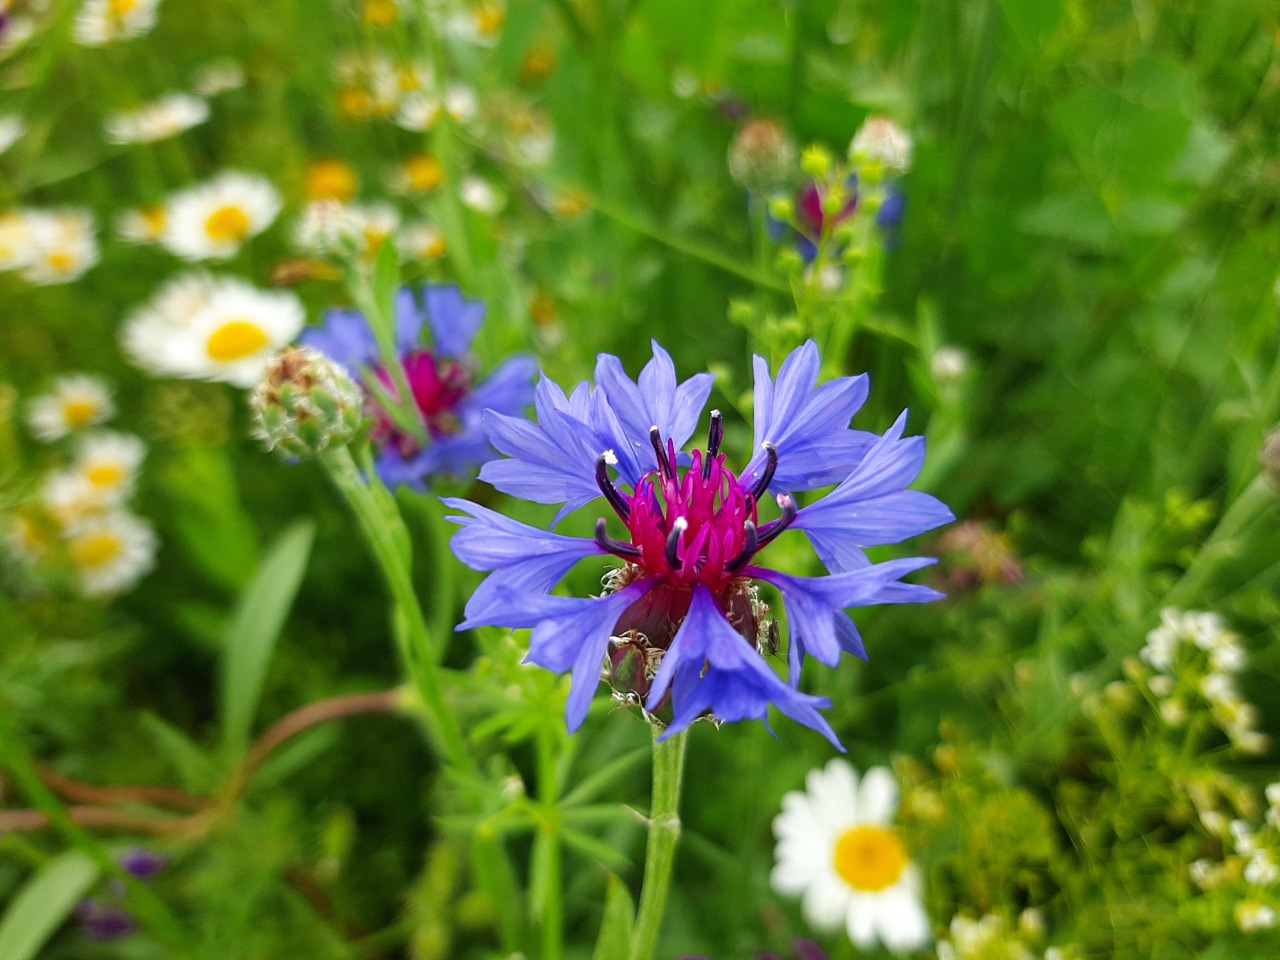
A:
[(548, 905), (1225, 542), (664, 832), (151, 910), (384, 531)]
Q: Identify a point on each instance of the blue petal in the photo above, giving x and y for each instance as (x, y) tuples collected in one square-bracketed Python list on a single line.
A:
[(656, 400), (345, 337), (555, 465), (489, 540), (509, 389), (808, 424), (870, 506), (396, 470), (410, 319), (816, 605), (574, 634), (709, 666), (454, 320)]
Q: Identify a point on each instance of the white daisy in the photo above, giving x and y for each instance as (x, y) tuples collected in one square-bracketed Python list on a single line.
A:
[(838, 851), (15, 240), (102, 22), (70, 499), (165, 117), (108, 463), (229, 336), (76, 401), (143, 224), (63, 245), (882, 142), (422, 241), (111, 553), (217, 76), (12, 128), (480, 195), (212, 220)]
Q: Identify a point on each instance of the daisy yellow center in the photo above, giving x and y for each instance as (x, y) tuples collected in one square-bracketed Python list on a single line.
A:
[(354, 102), (489, 21), (96, 549), (61, 262), (227, 225), (423, 172), (379, 13), (122, 8), (235, 340), (331, 180), (155, 219), (869, 858), (79, 413), (105, 475)]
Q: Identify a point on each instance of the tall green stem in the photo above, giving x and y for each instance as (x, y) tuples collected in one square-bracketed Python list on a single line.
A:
[(660, 853), (384, 532), (547, 855)]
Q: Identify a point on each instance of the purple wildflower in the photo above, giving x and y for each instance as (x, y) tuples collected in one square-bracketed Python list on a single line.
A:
[(104, 921), (442, 378), (143, 863), (681, 625)]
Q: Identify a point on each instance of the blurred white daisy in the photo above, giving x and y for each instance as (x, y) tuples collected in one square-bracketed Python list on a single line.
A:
[(143, 224), (212, 220), (880, 142), (63, 245), (102, 22), (12, 129), (481, 24), (422, 241), (478, 194), (164, 117), (27, 540), (217, 76), (70, 499), (111, 553), (420, 110), (420, 173), (229, 336), (837, 849), (75, 402), (15, 240), (108, 463)]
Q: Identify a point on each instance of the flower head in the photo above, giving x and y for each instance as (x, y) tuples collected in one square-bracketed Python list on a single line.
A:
[(681, 623), (103, 22), (212, 220), (110, 553), (201, 327), (166, 117), (441, 376), (63, 245), (305, 404), (76, 401), (837, 849)]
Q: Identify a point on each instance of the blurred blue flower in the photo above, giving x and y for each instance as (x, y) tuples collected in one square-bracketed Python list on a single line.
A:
[(441, 377), (681, 623)]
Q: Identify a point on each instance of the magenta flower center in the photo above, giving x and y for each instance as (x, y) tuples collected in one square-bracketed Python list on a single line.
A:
[(699, 525), (811, 215), (437, 385)]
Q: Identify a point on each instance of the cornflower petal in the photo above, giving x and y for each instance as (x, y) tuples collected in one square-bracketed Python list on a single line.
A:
[(410, 319), (656, 400), (816, 606), (345, 338), (454, 320), (807, 424), (711, 667), (869, 507)]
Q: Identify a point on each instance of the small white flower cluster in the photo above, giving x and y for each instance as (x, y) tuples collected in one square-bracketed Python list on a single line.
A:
[(83, 517), (48, 246), (101, 23), (989, 938), (1252, 859), (334, 229), (1196, 660), (881, 148), (198, 326)]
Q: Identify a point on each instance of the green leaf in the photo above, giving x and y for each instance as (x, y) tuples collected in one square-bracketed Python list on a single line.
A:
[(196, 770), (254, 630), (386, 281), (614, 941), (44, 904)]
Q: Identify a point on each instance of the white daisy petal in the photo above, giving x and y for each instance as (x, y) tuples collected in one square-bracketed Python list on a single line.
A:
[(214, 219), (877, 796), (901, 920), (860, 920), (825, 902)]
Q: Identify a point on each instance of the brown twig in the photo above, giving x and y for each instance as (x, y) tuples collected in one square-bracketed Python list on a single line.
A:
[(206, 812), (168, 797)]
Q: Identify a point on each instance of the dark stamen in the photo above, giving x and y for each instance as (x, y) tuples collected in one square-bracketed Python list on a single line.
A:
[(771, 530), (673, 541), (770, 467), (714, 438), (616, 499), (664, 465), (748, 550), (625, 550)]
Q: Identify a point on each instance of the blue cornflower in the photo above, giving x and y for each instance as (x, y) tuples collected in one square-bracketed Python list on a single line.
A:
[(441, 377), (681, 625)]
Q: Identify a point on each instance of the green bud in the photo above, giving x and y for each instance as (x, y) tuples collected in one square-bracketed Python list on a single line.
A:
[(816, 161), (305, 404)]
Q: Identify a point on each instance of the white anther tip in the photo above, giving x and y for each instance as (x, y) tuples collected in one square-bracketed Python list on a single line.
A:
[(610, 458)]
